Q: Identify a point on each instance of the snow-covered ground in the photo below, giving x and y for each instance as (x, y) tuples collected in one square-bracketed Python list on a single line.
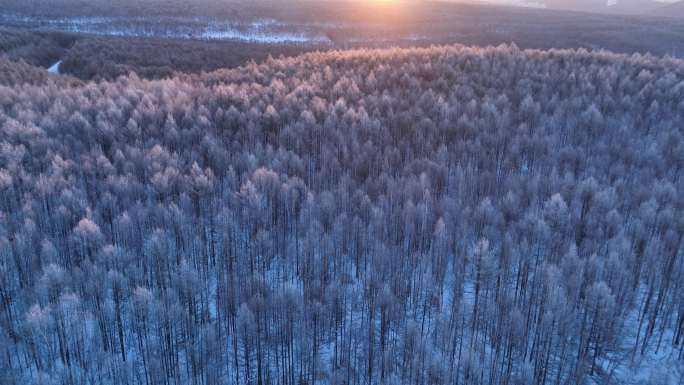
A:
[(659, 365), (259, 30), (267, 31), (228, 33)]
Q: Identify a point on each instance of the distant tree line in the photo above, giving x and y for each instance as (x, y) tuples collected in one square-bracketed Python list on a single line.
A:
[(151, 8), (152, 58), (435, 21), (90, 57), (433, 216)]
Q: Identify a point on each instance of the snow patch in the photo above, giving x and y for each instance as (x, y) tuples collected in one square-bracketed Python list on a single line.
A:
[(270, 31), (261, 37), (54, 69)]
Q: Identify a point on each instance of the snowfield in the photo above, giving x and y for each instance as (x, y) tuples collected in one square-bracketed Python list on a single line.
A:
[(262, 31)]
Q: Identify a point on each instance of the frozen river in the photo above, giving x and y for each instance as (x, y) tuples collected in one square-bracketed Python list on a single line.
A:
[(54, 69)]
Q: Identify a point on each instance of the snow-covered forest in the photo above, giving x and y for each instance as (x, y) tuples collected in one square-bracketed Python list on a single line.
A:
[(432, 216)]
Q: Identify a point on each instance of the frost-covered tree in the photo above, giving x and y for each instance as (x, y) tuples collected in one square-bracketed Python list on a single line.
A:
[(444, 215)]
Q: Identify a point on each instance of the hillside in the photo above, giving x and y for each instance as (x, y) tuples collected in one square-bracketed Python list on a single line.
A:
[(155, 38), (675, 10), (635, 7), (431, 216), (615, 7)]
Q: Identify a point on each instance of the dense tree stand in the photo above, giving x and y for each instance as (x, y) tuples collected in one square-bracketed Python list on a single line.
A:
[(438, 216)]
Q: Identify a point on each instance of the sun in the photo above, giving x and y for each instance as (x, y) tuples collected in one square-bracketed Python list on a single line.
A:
[(384, 2), (386, 14)]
